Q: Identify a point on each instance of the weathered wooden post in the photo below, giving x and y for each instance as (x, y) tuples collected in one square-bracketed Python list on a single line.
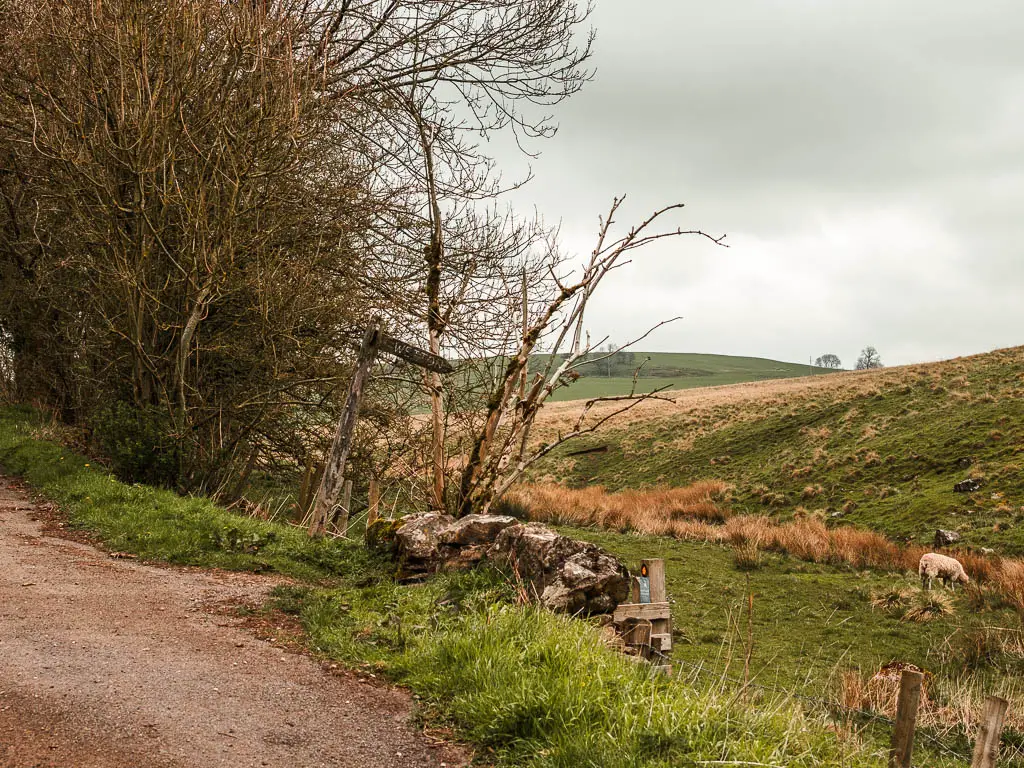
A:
[(373, 507), (341, 521), (906, 719), (986, 747), (374, 340), (334, 467)]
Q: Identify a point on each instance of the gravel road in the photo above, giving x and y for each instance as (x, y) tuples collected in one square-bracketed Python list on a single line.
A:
[(106, 662)]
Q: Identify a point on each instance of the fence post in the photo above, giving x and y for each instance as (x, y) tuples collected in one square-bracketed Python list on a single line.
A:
[(986, 747), (373, 511), (906, 718), (346, 506)]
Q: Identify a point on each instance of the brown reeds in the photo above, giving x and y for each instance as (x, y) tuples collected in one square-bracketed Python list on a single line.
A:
[(652, 511), (698, 512)]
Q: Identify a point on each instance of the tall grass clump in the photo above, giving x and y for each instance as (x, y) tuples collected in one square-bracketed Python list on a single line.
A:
[(651, 511), (928, 605), (543, 691)]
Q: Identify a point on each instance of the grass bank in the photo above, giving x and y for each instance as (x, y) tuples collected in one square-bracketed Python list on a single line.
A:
[(530, 688)]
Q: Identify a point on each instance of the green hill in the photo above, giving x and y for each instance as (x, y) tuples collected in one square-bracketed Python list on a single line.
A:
[(878, 449), (675, 370)]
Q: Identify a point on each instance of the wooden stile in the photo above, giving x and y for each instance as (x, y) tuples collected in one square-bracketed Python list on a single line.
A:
[(373, 510), (646, 622), (648, 611)]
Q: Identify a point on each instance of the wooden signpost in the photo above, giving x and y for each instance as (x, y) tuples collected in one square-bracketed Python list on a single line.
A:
[(374, 341), (647, 621)]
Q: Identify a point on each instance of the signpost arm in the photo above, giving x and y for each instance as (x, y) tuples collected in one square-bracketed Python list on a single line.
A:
[(334, 468)]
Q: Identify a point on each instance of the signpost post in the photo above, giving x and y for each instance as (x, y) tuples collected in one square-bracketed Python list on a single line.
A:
[(648, 619), (374, 341)]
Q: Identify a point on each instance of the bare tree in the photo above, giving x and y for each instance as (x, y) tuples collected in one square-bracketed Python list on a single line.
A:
[(202, 199), (869, 358), (829, 361), (502, 449)]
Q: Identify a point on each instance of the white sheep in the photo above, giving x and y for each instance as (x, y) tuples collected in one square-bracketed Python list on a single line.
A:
[(935, 566)]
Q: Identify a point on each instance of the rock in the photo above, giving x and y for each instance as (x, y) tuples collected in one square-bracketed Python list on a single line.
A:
[(381, 534), (416, 542), (945, 538), (970, 485), (475, 529), (563, 574), (965, 462), (432, 541)]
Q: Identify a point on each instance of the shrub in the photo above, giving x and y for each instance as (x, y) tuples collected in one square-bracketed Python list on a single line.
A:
[(138, 444)]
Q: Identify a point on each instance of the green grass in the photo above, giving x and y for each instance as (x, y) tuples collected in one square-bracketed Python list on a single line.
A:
[(810, 621), (531, 688), (159, 525), (680, 370), (883, 457)]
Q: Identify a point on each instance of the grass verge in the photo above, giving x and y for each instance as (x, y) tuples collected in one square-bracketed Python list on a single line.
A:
[(531, 688)]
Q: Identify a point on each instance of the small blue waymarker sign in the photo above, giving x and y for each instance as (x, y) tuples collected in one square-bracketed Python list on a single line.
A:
[(645, 584)]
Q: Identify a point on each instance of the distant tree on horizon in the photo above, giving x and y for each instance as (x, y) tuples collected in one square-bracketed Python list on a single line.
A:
[(869, 358), (829, 361)]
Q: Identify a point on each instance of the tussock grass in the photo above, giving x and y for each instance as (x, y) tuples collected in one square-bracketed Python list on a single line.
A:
[(893, 599), (928, 605), (650, 511)]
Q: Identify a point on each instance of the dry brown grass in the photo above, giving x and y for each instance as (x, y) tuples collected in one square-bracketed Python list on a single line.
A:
[(653, 511), (699, 513), (961, 702)]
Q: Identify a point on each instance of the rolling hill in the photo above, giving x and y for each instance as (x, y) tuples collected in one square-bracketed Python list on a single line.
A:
[(676, 370), (879, 449)]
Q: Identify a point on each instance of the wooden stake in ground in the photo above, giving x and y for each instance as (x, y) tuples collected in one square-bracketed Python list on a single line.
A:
[(373, 507), (344, 511), (906, 719), (334, 468), (986, 747)]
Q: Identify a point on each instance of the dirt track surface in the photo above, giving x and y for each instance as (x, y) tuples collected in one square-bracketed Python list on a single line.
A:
[(105, 662)]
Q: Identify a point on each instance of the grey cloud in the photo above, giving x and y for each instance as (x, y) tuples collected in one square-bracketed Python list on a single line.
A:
[(866, 158)]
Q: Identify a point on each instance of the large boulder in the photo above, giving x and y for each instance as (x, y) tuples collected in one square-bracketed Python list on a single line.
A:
[(431, 541), (473, 530), (416, 542), (465, 542), (564, 574), (944, 538), (970, 485)]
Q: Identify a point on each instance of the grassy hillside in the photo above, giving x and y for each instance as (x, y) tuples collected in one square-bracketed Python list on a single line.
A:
[(878, 449), (677, 370)]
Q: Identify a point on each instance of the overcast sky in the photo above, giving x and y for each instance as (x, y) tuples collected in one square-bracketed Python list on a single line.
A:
[(866, 160)]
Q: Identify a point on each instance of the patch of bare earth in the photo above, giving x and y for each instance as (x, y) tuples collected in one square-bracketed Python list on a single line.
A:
[(106, 662)]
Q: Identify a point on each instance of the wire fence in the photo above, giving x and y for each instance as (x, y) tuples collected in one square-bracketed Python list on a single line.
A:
[(1010, 754)]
